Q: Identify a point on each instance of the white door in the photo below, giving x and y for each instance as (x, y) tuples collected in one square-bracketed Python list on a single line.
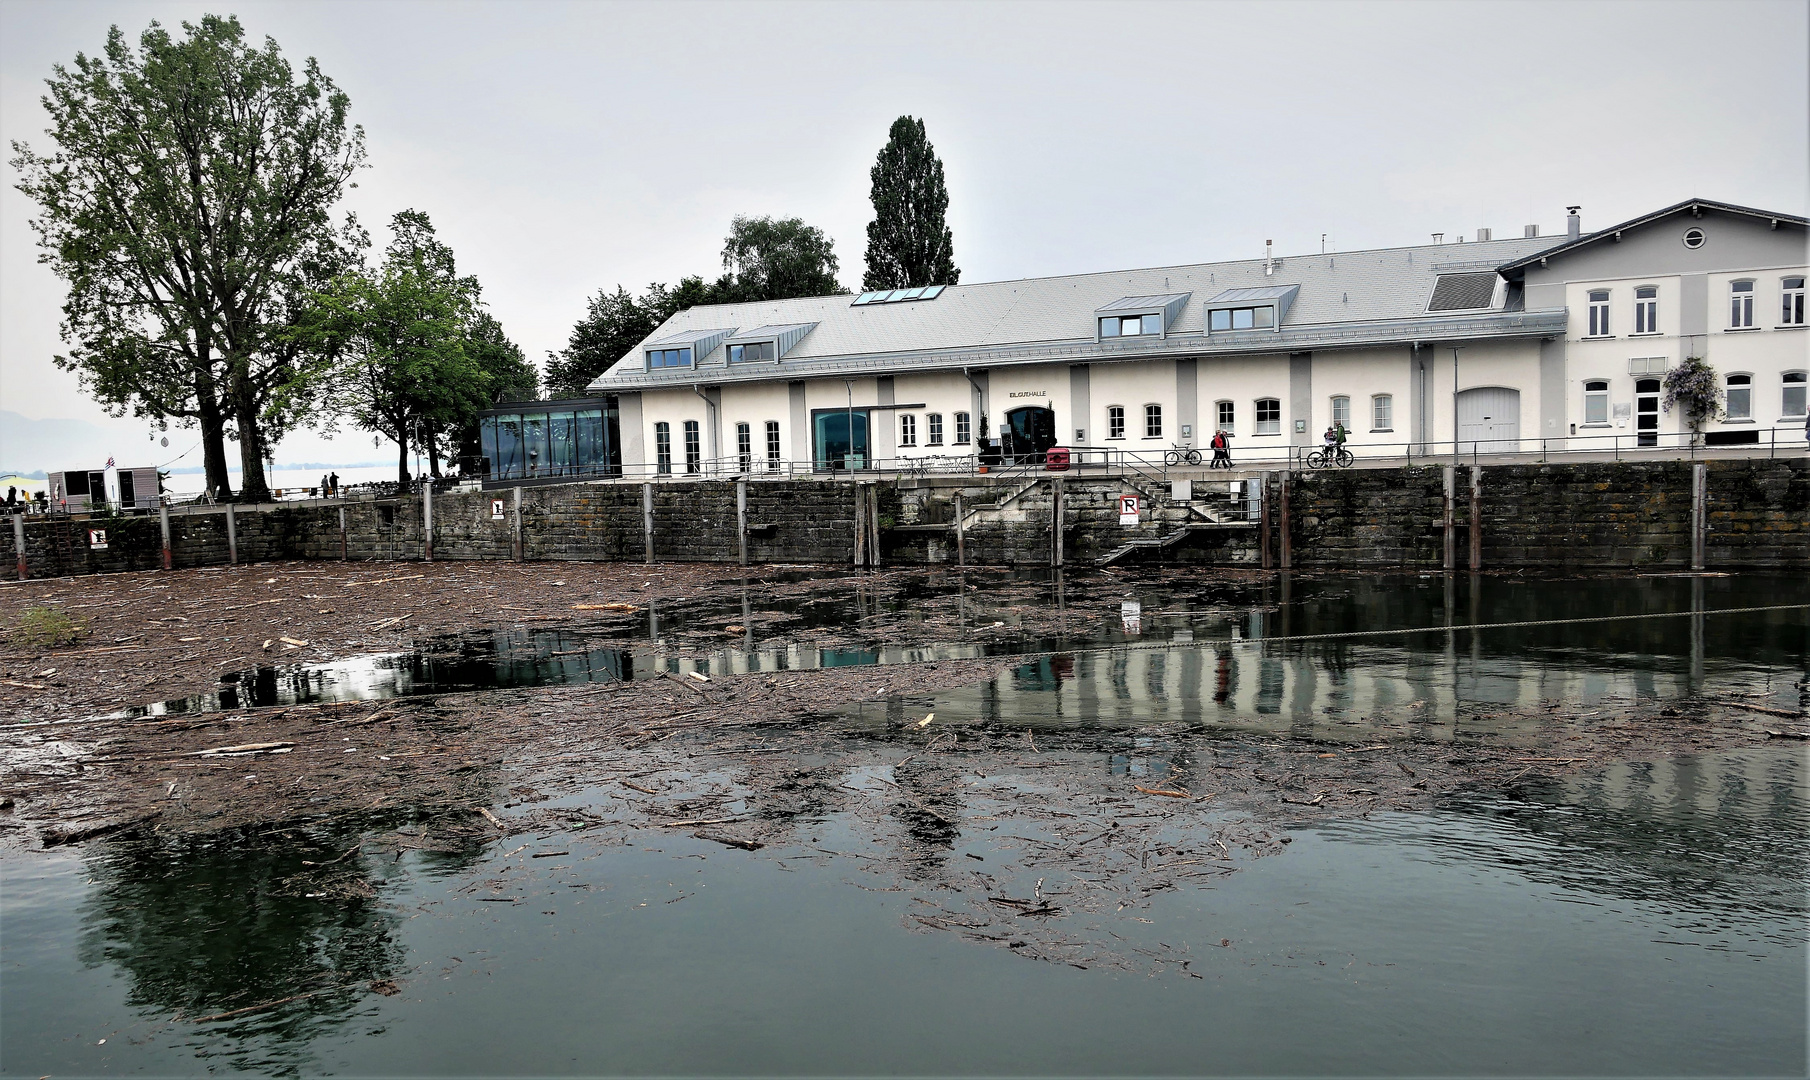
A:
[(1489, 420)]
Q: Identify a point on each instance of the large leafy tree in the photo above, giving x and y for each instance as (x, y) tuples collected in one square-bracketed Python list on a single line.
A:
[(766, 259), (909, 244), (412, 344), (188, 204), (777, 259)]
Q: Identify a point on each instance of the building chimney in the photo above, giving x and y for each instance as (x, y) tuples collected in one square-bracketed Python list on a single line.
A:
[(1530, 231), (1269, 264), (1574, 225), (1439, 238), (1484, 234)]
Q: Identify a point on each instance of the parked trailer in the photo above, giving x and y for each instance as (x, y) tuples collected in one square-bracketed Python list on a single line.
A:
[(77, 491)]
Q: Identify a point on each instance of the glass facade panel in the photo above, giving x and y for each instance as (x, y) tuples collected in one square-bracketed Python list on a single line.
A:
[(593, 445), (534, 441), (563, 444), (487, 441)]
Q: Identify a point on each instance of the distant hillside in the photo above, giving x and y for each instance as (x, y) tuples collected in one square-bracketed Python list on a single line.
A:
[(33, 446)]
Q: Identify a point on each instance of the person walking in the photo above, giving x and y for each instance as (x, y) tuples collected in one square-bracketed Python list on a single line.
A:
[(1222, 450)]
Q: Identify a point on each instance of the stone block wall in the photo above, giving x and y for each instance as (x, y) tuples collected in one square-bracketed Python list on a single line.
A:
[(1598, 515)]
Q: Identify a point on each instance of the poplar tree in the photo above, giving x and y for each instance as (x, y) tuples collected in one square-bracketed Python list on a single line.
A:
[(187, 204), (908, 242)]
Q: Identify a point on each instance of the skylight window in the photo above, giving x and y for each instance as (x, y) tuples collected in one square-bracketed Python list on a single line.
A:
[(894, 296)]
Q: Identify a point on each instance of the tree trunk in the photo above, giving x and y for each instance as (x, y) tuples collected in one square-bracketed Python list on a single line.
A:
[(213, 441), (402, 458), (433, 452), (253, 485)]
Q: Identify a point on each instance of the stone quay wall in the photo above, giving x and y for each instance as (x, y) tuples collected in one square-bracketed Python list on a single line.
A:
[(1661, 515)]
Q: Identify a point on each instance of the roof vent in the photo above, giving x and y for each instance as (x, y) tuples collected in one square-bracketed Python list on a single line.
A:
[(1574, 225), (1484, 234), (1439, 238), (1269, 264), (1530, 231)]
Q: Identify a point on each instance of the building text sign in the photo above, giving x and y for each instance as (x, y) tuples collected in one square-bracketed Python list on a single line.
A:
[(1128, 510)]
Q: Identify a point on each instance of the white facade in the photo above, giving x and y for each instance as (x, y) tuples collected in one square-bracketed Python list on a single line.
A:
[(1577, 335)]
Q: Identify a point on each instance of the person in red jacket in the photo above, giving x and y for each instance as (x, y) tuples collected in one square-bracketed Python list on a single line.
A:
[(1222, 450)]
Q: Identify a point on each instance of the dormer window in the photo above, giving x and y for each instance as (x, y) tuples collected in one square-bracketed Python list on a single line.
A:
[(1250, 309), (1131, 326), (764, 344), (683, 349), (1250, 318), (752, 352), (1138, 316)]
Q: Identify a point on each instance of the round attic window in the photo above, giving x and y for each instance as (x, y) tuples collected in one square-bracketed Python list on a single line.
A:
[(1693, 238)]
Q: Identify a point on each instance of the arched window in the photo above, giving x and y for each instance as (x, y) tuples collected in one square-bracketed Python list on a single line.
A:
[(1792, 296), (694, 452), (1646, 309), (1269, 416), (1153, 421), (1341, 411), (744, 446), (1599, 313), (772, 446), (1228, 417), (1382, 412), (963, 428), (1596, 401), (663, 447), (933, 429), (1115, 421), (1740, 397), (1740, 305), (1794, 386), (908, 429)]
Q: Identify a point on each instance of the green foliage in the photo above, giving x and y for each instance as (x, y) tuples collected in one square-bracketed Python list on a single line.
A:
[(767, 260), (45, 627), (909, 244), (776, 259), (188, 205), (417, 356), (1693, 387)]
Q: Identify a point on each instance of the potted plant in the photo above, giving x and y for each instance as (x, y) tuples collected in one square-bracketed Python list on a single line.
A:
[(1692, 386)]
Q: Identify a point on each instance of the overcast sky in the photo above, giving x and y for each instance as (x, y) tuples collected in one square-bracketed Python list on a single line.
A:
[(563, 148)]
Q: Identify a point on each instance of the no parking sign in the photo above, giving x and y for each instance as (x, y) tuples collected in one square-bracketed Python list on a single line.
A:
[(1128, 510), (496, 509)]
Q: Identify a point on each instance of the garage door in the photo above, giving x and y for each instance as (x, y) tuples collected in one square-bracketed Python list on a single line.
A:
[(1489, 420)]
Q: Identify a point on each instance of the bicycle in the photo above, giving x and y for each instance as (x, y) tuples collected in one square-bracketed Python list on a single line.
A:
[(1338, 457), (1181, 454)]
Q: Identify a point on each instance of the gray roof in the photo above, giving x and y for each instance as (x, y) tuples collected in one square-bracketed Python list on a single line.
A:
[(1345, 300), (1240, 296), (1516, 267), (1144, 303)]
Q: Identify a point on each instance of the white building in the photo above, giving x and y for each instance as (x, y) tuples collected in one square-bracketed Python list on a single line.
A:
[(1550, 343)]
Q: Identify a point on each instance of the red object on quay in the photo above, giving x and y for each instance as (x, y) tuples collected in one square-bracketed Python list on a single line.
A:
[(1056, 459)]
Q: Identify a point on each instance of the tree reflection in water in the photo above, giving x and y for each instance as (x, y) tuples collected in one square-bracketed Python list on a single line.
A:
[(216, 924)]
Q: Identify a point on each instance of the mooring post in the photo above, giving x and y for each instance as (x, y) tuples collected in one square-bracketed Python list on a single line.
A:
[(873, 524), (342, 533), (19, 544), (518, 542), (1451, 542), (232, 535), (860, 525), (1699, 513), (1476, 517), (741, 518), (647, 519), (427, 520), (1287, 547), (1263, 517), (163, 521), (961, 533), (1056, 521)]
